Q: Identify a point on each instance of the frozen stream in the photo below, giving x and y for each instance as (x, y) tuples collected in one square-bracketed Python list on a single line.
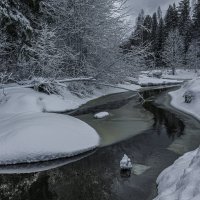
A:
[(153, 134)]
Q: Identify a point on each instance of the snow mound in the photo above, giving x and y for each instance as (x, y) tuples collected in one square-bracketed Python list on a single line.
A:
[(145, 81), (41, 137), (25, 100), (101, 115), (178, 99), (27, 134), (181, 180), (125, 163)]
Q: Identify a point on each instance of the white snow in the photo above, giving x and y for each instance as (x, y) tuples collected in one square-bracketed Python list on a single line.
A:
[(144, 81), (101, 115), (178, 99), (29, 135), (125, 163), (181, 74), (43, 136), (14, 14), (181, 180), (27, 100), (129, 86)]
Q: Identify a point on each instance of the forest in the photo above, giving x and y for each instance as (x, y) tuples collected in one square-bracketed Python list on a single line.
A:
[(94, 106), (172, 39), (76, 38)]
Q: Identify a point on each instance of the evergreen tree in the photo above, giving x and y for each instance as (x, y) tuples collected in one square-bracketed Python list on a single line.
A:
[(171, 19), (154, 31), (193, 4), (185, 22), (147, 29), (196, 18), (160, 43), (159, 13), (137, 37)]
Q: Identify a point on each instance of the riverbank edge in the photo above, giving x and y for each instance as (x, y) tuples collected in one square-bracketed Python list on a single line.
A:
[(188, 157)]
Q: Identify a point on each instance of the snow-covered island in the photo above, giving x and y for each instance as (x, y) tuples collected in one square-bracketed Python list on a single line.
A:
[(30, 135), (181, 180)]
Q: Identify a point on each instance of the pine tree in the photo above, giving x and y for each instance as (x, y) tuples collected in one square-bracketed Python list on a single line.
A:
[(154, 31), (137, 36), (159, 13), (196, 18), (160, 43), (171, 19), (147, 29), (185, 22), (193, 4)]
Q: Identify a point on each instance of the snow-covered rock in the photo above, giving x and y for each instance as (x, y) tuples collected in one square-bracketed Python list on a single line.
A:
[(125, 163), (181, 180), (101, 115)]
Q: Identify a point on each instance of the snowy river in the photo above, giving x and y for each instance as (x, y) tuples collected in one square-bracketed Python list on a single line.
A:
[(154, 135)]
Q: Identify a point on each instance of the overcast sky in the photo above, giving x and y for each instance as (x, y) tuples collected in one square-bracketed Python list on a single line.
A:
[(149, 6)]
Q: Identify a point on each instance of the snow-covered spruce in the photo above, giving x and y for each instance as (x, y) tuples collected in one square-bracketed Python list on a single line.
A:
[(101, 115), (181, 180), (29, 135)]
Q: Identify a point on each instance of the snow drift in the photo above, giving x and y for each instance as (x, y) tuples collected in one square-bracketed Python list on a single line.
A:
[(29, 135), (181, 180), (178, 99)]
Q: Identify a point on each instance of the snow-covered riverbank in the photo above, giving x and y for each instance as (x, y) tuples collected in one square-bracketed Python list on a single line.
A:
[(181, 181), (30, 135)]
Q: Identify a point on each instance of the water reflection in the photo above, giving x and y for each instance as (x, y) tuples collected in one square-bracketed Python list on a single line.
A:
[(40, 166), (164, 119), (97, 176)]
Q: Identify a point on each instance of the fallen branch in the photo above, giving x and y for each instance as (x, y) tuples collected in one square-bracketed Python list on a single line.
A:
[(119, 87)]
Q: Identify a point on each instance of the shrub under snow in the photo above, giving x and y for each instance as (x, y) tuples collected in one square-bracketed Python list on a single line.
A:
[(178, 98)]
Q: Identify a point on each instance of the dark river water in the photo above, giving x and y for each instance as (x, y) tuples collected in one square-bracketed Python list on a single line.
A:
[(153, 135)]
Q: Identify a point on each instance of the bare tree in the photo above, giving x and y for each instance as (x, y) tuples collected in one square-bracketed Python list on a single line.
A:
[(193, 55), (173, 53)]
